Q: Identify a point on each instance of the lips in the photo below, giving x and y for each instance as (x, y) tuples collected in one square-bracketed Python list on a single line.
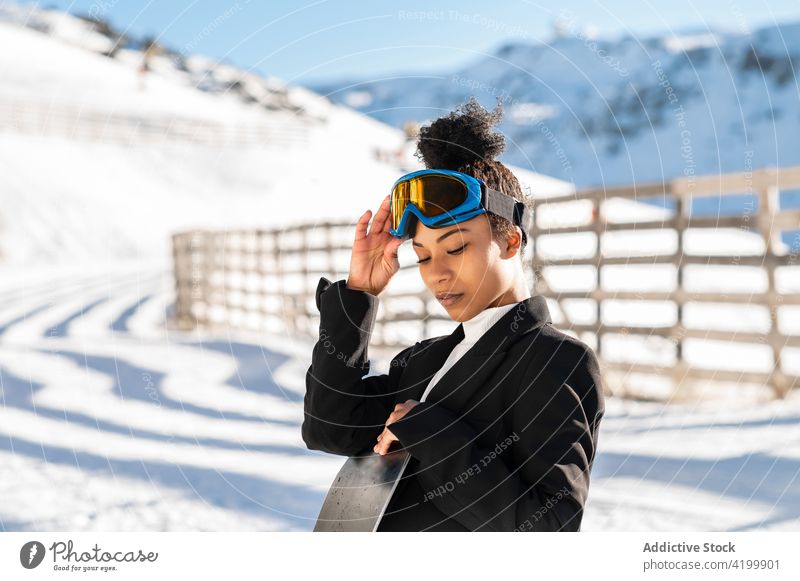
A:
[(447, 299)]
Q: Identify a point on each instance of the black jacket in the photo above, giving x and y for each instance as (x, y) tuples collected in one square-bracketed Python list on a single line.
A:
[(506, 439)]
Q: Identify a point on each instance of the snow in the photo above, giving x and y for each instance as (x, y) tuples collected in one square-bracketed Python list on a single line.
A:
[(132, 196), (702, 467), (77, 76), (135, 426), (780, 40), (145, 419), (690, 42)]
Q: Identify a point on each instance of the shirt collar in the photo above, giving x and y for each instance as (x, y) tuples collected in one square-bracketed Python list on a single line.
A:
[(475, 327)]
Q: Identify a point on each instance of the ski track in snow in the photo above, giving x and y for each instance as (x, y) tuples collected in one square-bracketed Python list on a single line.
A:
[(113, 421)]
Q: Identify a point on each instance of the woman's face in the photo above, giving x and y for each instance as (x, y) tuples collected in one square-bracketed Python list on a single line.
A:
[(464, 261)]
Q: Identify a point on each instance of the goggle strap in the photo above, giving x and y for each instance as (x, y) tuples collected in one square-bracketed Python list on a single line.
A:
[(509, 208)]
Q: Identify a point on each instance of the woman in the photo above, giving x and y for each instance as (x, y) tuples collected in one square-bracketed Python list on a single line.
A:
[(500, 417)]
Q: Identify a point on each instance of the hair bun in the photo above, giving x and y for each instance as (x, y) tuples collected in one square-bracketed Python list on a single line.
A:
[(461, 137)]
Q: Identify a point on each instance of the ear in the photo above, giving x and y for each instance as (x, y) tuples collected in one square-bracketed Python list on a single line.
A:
[(514, 242)]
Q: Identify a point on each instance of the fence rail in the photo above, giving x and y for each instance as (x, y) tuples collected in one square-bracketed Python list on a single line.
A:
[(267, 278), (78, 122)]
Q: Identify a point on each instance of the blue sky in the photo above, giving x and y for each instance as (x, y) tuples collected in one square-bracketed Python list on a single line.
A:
[(322, 40)]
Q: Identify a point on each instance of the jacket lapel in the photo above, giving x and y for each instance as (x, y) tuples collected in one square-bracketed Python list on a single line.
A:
[(474, 368)]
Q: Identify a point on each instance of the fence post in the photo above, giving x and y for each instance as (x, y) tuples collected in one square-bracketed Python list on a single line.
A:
[(768, 201), (679, 191), (597, 203)]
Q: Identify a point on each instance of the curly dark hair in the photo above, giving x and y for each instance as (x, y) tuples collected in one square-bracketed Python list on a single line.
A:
[(464, 141)]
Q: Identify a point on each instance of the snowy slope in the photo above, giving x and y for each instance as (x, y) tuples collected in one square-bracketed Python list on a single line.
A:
[(100, 199), (73, 191)]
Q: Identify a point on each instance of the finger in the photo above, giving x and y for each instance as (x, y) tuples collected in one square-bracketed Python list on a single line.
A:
[(388, 441), (390, 252), (388, 226), (381, 438), (385, 443), (361, 225), (381, 218)]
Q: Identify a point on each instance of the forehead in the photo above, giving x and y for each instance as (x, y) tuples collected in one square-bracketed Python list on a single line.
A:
[(476, 227), (444, 233)]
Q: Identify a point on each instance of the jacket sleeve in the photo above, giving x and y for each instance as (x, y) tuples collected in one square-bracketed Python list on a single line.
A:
[(534, 478), (344, 411)]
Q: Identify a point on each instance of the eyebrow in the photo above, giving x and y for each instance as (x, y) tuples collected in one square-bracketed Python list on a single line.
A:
[(443, 236)]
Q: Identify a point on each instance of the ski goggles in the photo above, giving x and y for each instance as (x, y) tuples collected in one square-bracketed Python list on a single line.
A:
[(441, 197)]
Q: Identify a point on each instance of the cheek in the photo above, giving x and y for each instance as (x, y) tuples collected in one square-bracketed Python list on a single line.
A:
[(485, 273), (473, 272)]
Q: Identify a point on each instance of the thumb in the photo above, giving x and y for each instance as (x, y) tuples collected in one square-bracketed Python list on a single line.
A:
[(390, 251)]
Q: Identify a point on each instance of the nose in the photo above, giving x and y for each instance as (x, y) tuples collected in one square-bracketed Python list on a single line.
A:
[(440, 272)]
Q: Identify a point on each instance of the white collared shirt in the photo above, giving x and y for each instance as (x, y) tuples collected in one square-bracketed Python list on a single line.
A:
[(473, 330)]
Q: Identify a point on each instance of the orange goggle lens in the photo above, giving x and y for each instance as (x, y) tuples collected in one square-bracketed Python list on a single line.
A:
[(431, 194)]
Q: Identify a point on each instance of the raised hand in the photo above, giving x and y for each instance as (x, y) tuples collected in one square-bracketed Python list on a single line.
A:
[(374, 261)]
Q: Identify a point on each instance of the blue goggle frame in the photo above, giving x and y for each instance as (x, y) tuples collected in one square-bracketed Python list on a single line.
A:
[(479, 199)]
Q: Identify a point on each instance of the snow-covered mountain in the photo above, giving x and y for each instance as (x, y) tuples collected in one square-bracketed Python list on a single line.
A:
[(613, 111)]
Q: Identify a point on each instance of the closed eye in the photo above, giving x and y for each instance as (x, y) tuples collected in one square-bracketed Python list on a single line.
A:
[(456, 251)]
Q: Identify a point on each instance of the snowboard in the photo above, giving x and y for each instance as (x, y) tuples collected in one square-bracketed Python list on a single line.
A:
[(361, 492)]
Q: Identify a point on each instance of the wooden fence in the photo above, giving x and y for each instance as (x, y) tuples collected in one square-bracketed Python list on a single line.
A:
[(265, 279)]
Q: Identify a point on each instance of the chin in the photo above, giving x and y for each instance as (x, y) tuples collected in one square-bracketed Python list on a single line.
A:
[(459, 314)]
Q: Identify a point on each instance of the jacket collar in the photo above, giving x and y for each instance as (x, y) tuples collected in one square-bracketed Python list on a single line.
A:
[(528, 315), (475, 366)]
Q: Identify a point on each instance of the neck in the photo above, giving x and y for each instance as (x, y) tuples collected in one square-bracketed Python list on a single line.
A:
[(519, 291)]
